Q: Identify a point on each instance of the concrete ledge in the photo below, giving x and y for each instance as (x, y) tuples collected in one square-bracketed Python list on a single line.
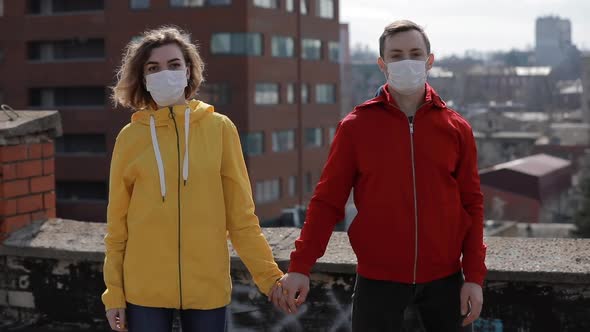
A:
[(564, 261), (25, 123)]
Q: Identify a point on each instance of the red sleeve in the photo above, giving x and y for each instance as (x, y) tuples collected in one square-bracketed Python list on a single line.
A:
[(474, 249), (327, 205)]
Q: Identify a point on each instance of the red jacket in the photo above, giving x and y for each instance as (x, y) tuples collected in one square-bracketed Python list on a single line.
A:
[(416, 189)]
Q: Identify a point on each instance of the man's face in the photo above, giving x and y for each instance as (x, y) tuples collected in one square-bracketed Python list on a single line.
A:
[(407, 45)]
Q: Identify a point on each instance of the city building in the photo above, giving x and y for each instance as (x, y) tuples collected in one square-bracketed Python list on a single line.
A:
[(346, 104), (535, 189), (553, 40), (586, 87), (273, 69), (527, 86)]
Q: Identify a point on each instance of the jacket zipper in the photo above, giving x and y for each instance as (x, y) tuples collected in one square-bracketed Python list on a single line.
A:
[(411, 123), (415, 196), (178, 200)]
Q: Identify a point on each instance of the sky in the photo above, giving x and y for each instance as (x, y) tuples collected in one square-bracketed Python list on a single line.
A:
[(455, 26)]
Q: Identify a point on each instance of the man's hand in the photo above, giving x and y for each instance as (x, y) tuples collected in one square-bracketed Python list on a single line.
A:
[(290, 292), (116, 318), (471, 302)]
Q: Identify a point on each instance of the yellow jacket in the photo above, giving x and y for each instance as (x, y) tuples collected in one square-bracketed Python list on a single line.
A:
[(167, 220)]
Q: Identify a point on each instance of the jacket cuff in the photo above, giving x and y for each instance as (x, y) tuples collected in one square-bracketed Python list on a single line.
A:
[(299, 267), (113, 299)]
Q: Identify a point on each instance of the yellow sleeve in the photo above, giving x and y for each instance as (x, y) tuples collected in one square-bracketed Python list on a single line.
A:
[(116, 235), (242, 224)]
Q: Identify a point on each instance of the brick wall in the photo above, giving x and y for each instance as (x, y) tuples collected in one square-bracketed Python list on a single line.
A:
[(27, 185)]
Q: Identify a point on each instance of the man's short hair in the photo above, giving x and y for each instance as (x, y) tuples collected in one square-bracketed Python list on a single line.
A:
[(401, 26)]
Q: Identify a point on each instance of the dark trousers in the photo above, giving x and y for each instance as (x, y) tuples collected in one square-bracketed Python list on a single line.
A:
[(148, 319), (379, 305)]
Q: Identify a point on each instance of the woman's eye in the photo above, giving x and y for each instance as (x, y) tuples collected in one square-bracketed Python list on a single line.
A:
[(151, 69)]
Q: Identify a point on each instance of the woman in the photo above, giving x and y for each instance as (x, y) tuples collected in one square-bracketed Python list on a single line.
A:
[(178, 187)]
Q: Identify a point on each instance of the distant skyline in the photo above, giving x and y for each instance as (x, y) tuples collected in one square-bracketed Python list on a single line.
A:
[(455, 26)]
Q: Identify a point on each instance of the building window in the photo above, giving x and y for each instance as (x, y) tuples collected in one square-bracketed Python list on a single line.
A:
[(67, 97), (253, 144), (331, 134), (266, 3), (66, 50), (304, 93), (81, 144), (236, 43), (139, 4), (308, 185), (313, 137), (199, 3), (266, 94), (268, 191), (289, 5), (215, 93), (282, 47), (283, 140), (303, 7), (325, 8), (50, 7), (292, 185), (311, 49), (334, 51), (290, 93), (325, 94), (81, 191)]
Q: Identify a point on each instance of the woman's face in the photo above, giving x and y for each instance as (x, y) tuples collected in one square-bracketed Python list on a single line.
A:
[(164, 73), (167, 57)]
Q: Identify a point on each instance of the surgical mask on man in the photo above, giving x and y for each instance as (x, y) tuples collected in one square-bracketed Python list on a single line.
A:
[(407, 76), (167, 86)]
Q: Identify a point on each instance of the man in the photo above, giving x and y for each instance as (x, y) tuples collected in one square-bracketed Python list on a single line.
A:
[(418, 235)]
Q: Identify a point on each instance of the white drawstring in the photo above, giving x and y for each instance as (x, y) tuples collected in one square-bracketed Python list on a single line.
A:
[(158, 157), (187, 115)]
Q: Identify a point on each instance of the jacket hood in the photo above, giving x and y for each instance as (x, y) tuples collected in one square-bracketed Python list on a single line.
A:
[(198, 110)]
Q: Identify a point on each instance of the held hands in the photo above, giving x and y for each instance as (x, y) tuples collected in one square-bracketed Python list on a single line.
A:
[(289, 292), (116, 318)]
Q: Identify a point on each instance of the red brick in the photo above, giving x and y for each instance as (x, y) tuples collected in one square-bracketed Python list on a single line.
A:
[(13, 153), (43, 184), (36, 151), (15, 188), (7, 207), (50, 213), (29, 204), (41, 215), (48, 166), (8, 172), (49, 200), (14, 223), (27, 169), (48, 149)]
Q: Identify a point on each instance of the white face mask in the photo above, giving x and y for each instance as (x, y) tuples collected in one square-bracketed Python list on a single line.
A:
[(407, 76), (166, 86)]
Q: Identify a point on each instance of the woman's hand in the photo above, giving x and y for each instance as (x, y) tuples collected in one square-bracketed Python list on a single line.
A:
[(116, 318)]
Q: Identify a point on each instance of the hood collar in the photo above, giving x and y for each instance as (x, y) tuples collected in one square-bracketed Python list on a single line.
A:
[(198, 110), (383, 96)]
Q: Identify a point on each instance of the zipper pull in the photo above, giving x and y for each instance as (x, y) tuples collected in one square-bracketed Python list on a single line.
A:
[(411, 128)]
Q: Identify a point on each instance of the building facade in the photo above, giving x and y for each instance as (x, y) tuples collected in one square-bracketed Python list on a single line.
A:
[(553, 40), (271, 68)]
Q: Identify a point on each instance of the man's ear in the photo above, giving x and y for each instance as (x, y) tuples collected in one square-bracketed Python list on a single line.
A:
[(430, 61), (382, 65)]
